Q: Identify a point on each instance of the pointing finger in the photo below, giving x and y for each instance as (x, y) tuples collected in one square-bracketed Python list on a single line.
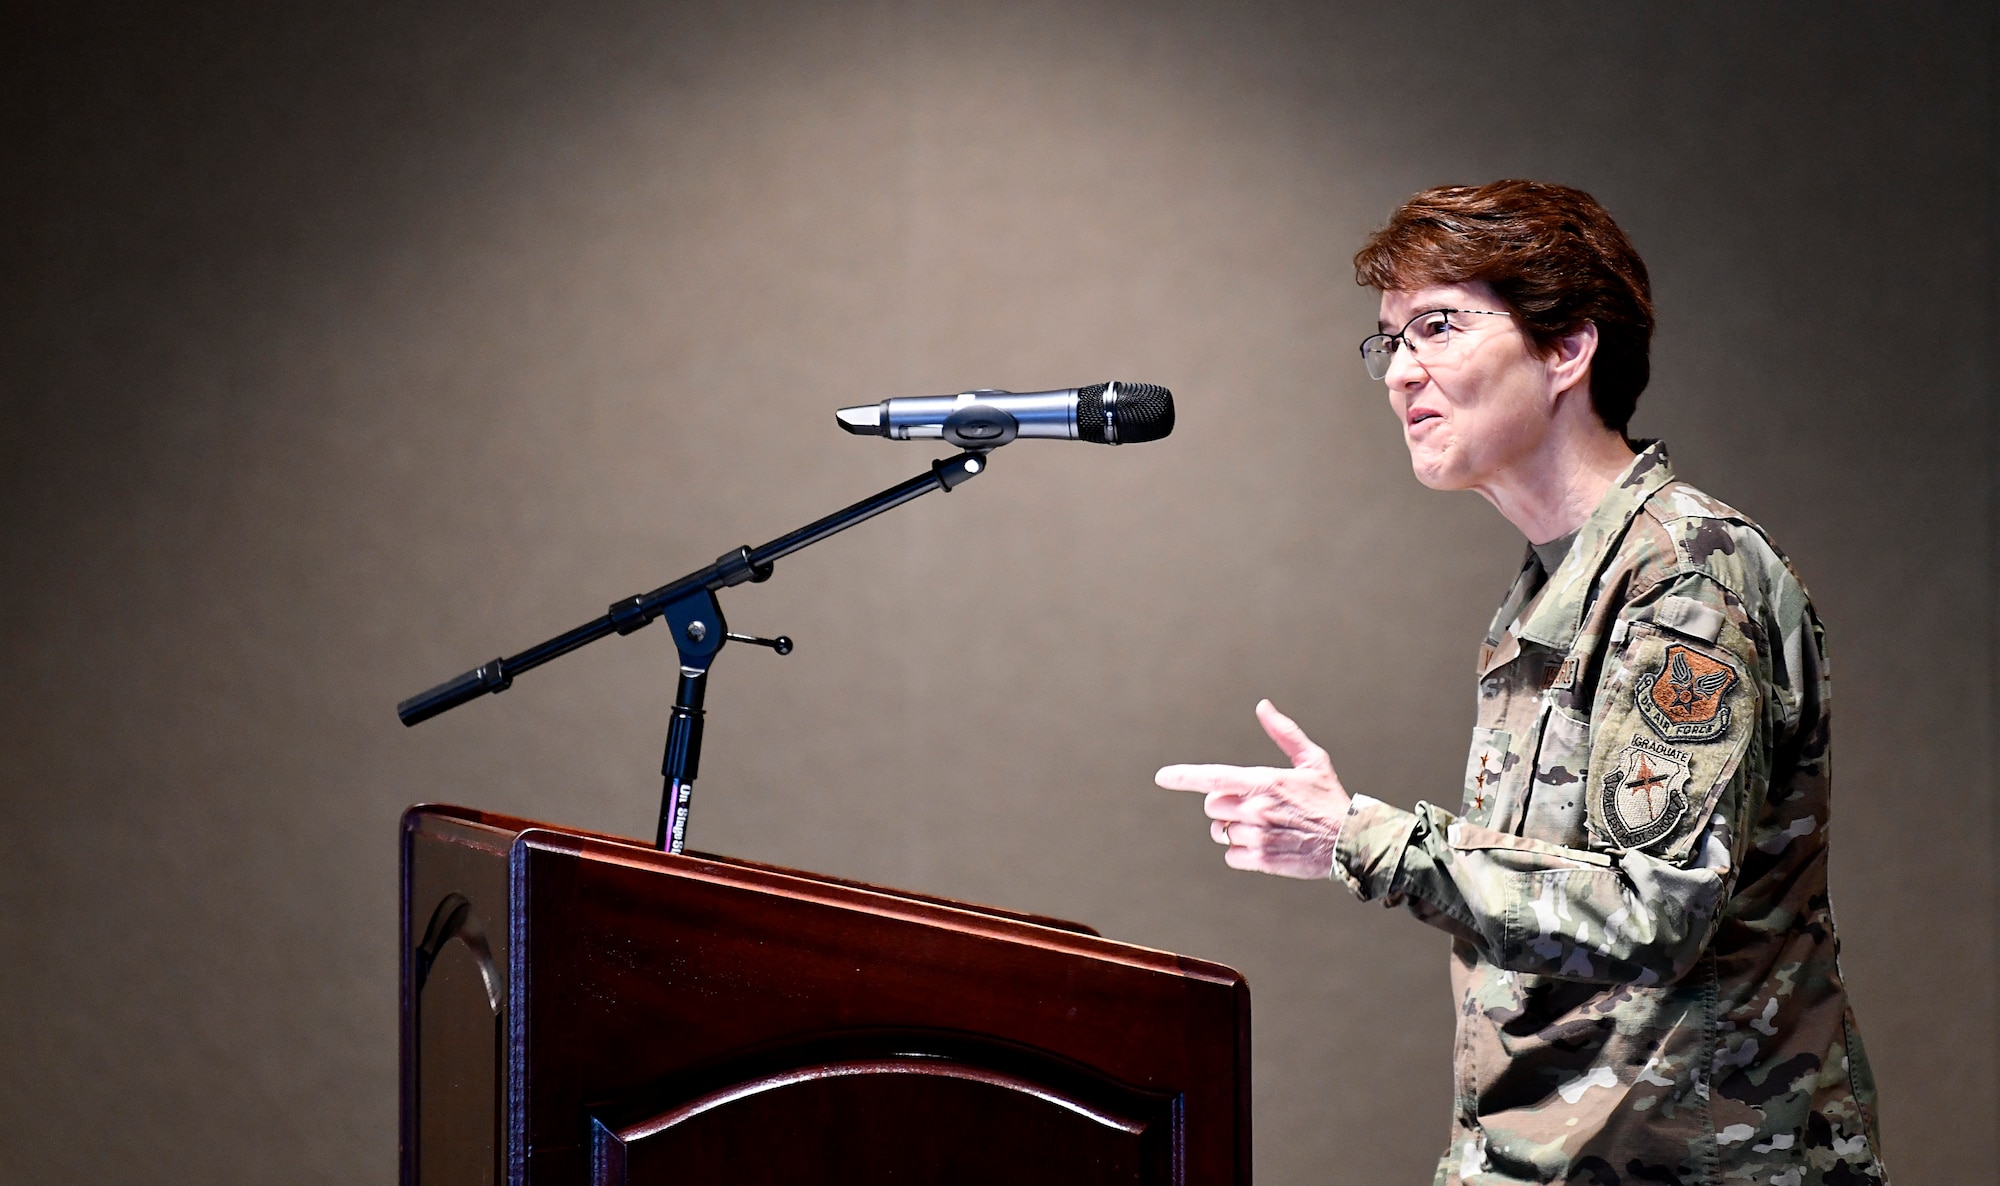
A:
[(1212, 777)]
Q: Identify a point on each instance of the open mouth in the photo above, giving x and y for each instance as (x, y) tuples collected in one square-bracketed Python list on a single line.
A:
[(1419, 415)]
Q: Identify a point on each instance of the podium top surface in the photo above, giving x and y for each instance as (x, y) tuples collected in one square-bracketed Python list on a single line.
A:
[(497, 833)]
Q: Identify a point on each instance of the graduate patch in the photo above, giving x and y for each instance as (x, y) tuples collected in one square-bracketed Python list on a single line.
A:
[(1644, 795), (1682, 700)]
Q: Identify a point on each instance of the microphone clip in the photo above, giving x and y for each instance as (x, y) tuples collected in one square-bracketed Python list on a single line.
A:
[(953, 472), (980, 427)]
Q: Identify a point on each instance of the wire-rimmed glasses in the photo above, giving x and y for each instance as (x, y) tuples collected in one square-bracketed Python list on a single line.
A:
[(1428, 335)]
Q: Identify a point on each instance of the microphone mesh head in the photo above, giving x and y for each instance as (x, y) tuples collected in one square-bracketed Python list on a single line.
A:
[(1145, 413), (1090, 412)]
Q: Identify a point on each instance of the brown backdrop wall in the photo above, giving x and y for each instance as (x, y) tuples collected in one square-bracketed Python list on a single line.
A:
[(345, 349)]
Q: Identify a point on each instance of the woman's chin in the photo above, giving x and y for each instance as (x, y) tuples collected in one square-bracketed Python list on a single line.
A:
[(1436, 469)]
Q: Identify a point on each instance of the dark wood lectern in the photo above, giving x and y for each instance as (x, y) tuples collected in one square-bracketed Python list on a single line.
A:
[(583, 1009)]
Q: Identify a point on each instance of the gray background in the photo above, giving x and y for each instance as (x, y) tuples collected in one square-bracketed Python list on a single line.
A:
[(345, 348)]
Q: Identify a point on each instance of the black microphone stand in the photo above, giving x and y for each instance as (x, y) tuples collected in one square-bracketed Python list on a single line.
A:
[(699, 630)]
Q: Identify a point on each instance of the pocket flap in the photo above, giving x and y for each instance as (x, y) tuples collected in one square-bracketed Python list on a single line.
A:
[(1685, 615), (1533, 854)]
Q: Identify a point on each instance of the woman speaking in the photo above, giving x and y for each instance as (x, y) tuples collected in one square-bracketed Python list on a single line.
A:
[(1635, 878)]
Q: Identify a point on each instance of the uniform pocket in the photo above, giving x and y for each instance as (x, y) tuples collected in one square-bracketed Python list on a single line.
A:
[(1556, 798)]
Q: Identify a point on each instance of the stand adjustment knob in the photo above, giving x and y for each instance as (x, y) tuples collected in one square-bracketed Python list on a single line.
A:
[(780, 644)]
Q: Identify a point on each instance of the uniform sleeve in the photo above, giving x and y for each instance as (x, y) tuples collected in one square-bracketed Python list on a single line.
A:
[(1678, 704)]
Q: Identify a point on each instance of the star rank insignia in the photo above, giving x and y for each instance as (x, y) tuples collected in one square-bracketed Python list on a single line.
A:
[(1644, 795), (1484, 768)]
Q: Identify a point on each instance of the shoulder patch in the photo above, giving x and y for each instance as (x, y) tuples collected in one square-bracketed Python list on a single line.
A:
[(1644, 794), (1683, 698), (1673, 720)]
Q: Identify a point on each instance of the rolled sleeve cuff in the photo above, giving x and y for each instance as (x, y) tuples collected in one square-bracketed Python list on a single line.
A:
[(1370, 848)]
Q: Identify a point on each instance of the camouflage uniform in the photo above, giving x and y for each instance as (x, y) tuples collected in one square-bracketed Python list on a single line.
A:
[(1643, 952)]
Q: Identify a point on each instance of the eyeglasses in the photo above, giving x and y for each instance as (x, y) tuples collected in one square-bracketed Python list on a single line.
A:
[(1428, 335)]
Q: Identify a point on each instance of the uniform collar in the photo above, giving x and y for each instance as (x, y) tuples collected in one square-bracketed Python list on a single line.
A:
[(1554, 615)]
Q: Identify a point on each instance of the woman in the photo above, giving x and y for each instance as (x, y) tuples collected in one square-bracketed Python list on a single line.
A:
[(1635, 881)]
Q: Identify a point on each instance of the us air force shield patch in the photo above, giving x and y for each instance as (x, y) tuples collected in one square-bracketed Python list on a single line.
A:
[(1643, 796), (1682, 700)]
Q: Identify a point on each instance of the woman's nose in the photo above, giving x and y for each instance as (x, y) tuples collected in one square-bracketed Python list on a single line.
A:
[(1404, 370)]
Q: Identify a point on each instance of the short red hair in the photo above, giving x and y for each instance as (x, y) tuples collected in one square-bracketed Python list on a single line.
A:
[(1552, 253)]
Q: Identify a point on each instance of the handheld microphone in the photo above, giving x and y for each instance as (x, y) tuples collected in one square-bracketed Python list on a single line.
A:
[(1107, 413)]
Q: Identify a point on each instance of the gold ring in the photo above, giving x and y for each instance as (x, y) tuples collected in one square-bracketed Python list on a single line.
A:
[(1225, 835)]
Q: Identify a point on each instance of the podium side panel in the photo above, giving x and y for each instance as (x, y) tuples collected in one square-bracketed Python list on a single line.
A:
[(454, 972)]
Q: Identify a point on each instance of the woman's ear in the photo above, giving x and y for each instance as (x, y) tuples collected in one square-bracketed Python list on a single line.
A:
[(1569, 357)]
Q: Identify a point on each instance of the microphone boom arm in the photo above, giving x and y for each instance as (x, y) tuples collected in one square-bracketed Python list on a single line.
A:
[(733, 568)]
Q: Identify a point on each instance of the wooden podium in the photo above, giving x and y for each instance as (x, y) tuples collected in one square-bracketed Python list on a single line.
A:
[(583, 1009)]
